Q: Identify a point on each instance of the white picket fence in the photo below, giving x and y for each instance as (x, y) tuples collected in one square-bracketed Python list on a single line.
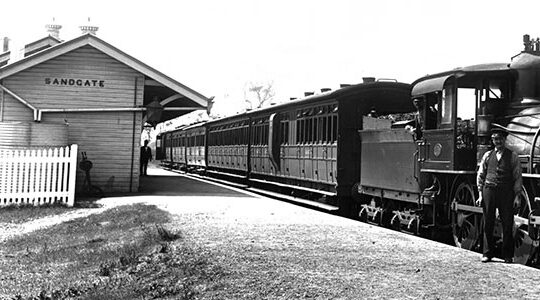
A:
[(38, 176)]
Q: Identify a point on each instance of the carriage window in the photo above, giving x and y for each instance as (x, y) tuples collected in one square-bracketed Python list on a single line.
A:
[(284, 132), (309, 130), (323, 130), (316, 134), (334, 127), (329, 129)]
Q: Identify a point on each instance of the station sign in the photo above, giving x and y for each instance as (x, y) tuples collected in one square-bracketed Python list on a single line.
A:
[(75, 82)]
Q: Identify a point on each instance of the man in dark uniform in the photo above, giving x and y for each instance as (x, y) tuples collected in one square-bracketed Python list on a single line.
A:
[(146, 155), (426, 117), (499, 181)]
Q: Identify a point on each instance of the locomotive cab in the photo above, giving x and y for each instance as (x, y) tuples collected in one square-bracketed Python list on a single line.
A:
[(467, 101)]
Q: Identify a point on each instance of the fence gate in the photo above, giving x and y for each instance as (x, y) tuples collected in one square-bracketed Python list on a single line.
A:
[(38, 176)]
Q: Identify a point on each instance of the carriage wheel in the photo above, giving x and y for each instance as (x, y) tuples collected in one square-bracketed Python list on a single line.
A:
[(466, 226), (395, 223), (362, 215)]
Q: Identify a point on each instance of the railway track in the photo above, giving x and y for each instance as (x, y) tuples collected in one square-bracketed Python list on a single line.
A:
[(264, 192), (260, 189)]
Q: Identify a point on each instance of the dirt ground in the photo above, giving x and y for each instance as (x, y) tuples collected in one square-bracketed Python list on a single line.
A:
[(269, 249), (274, 250)]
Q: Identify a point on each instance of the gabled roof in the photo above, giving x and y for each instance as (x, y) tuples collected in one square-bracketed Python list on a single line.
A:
[(41, 45), (199, 101)]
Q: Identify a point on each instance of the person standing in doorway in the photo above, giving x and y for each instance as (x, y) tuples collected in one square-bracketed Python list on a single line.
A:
[(499, 182), (146, 156)]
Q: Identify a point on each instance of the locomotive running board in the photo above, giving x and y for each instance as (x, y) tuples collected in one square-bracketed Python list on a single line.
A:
[(311, 203)]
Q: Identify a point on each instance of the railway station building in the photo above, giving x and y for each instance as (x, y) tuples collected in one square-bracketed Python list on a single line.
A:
[(87, 92)]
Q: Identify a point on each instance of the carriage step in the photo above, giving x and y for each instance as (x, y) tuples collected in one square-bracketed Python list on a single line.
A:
[(311, 203)]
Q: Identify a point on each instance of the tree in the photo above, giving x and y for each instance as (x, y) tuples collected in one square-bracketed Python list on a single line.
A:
[(258, 94)]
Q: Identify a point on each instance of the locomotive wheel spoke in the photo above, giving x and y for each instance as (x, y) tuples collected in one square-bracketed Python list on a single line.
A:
[(522, 246), (465, 225), (522, 242)]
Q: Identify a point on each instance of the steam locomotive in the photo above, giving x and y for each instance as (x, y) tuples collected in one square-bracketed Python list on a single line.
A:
[(329, 148)]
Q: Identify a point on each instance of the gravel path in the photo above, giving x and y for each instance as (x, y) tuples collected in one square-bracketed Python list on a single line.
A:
[(275, 250)]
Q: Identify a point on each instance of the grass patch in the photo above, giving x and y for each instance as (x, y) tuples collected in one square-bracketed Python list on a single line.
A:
[(18, 214), (124, 253)]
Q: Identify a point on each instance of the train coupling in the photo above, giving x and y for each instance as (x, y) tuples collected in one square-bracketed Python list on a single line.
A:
[(534, 223)]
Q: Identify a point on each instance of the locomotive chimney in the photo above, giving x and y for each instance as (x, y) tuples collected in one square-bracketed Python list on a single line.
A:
[(324, 90), (292, 98), (342, 85), (307, 94), (368, 79)]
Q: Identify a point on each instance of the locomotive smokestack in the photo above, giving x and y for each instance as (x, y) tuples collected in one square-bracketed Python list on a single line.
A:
[(368, 79), (324, 90), (306, 94), (342, 85)]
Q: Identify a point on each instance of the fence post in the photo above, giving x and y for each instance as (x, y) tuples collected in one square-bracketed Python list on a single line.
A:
[(72, 173)]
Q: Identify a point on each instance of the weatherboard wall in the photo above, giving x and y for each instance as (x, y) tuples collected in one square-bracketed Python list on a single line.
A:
[(87, 78)]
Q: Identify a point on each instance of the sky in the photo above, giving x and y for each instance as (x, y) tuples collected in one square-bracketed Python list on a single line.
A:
[(217, 47)]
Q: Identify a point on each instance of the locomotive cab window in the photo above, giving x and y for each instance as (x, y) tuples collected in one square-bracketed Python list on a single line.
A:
[(465, 121), (447, 112)]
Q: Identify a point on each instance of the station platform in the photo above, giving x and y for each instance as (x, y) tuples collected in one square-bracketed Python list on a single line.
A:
[(266, 244)]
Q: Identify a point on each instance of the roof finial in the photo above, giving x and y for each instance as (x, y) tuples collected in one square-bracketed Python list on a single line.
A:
[(53, 29), (89, 28)]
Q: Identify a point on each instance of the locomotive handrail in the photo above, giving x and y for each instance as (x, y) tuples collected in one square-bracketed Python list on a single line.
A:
[(513, 133), (416, 161), (519, 115), (531, 156)]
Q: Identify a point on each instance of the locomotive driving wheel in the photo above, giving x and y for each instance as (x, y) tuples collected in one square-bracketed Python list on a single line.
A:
[(523, 245), (466, 225)]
